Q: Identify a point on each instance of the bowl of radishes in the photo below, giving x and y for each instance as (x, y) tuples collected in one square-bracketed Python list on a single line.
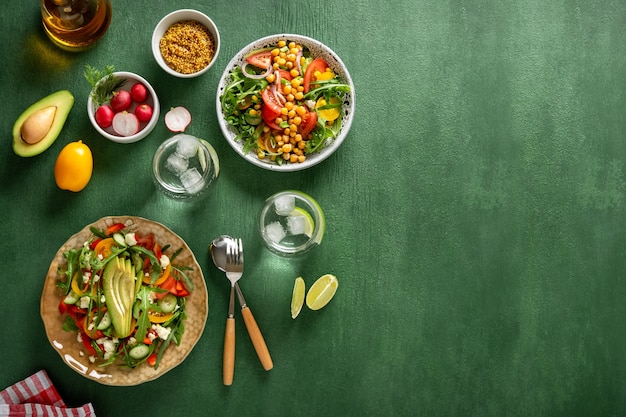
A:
[(123, 107)]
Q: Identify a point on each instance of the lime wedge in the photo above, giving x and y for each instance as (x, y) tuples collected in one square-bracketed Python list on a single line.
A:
[(322, 221), (322, 291), (297, 297), (309, 223)]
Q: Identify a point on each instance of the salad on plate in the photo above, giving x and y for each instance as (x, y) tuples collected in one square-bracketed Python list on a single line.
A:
[(284, 103), (124, 295)]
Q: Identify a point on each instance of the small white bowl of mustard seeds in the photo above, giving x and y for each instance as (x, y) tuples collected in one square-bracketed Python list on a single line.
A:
[(186, 43)]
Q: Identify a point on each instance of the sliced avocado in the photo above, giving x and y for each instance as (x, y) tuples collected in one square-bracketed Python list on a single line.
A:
[(119, 292), (39, 125)]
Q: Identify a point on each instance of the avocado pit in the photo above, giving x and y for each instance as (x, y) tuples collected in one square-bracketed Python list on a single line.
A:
[(37, 125)]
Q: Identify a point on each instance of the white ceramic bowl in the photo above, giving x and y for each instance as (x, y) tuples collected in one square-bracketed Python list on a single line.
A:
[(175, 17), (145, 128), (317, 49)]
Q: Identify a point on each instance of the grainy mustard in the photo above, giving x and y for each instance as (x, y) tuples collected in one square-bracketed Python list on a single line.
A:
[(187, 46)]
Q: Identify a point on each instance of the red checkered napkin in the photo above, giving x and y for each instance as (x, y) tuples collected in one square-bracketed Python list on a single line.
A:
[(37, 397)]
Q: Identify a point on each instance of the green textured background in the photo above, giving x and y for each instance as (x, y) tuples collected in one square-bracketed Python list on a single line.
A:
[(475, 212)]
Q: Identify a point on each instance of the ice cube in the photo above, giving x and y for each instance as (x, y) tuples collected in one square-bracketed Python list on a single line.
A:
[(284, 204), (187, 146), (176, 163), (296, 225), (192, 180), (275, 232)]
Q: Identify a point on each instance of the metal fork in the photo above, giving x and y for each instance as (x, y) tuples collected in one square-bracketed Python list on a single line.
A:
[(234, 271)]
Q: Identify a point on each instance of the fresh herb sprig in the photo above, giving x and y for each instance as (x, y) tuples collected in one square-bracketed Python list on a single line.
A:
[(102, 91)]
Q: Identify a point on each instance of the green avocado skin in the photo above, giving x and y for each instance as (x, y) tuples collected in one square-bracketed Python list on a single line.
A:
[(63, 100)]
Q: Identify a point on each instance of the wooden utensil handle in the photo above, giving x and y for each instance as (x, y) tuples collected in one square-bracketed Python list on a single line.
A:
[(257, 339), (229, 352)]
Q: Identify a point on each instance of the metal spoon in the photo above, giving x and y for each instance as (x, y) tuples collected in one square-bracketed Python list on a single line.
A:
[(228, 366), (218, 250)]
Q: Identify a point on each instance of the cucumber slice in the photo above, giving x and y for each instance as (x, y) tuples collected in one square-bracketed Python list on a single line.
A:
[(168, 303), (71, 298), (139, 352), (105, 321), (119, 239)]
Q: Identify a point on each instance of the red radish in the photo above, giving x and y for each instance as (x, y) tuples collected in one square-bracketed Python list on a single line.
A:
[(125, 124), (121, 101), (104, 116), (177, 119), (143, 112), (139, 92)]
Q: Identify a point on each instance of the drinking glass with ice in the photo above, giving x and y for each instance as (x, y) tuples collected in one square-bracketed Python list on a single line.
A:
[(184, 166)]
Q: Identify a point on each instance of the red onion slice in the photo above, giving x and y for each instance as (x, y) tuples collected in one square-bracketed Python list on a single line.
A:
[(255, 76)]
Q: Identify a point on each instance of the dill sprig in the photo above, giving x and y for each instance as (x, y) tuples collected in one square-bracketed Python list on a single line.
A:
[(103, 83)]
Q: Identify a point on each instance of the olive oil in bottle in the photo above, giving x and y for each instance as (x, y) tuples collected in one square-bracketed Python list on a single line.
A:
[(75, 25)]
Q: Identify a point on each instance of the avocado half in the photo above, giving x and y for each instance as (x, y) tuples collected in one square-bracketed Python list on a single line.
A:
[(39, 125)]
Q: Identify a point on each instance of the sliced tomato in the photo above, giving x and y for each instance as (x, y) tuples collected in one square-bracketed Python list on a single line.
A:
[(271, 108), (261, 59), (285, 75), (309, 121), (88, 346), (94, 242), (318, 64), (114, 228), (181, 291), (157, 251), (152, 359), (145, 241)]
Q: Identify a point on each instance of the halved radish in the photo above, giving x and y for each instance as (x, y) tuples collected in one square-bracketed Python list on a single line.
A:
[(125, 124), (177, 119)]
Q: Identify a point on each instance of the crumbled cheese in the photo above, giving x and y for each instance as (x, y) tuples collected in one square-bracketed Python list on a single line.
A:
[(81, 353), (100, 256), (130, 239), (91, 326), (152, 296), (131, 341), (79, 337), (86, 277), (92, 358), (162, 332), (84, 302), (103, 299), (152, 336), (165, 261), (96, 278)]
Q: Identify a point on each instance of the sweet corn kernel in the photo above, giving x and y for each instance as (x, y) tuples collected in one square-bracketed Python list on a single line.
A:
[(293, 158), (287, 147), (282, 43), (301, 158), (297, 120), (299, 95), (294, 73)]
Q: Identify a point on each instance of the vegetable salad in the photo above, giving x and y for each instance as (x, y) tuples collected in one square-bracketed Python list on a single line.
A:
[(124, 296), (284, 103)]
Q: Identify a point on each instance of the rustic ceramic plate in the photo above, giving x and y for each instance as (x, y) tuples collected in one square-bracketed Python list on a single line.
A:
[(72, 351)]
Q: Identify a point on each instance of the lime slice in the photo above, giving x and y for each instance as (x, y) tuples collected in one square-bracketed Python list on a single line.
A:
[(308, 222), (297, 297), (322, 221), (214, 158), (322, 291)]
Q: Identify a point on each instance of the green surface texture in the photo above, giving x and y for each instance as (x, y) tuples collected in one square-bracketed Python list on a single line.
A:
[(475, 213)]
